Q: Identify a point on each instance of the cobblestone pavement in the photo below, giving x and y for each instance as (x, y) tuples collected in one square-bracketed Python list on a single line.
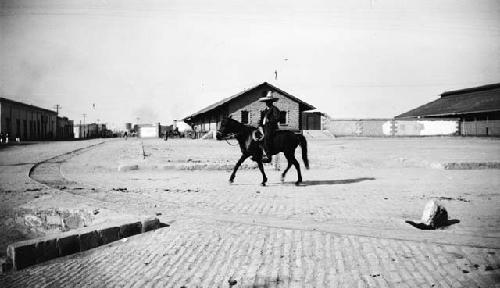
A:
[(209, 254), (343, 228)]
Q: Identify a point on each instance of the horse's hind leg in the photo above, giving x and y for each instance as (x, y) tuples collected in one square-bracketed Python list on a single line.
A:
[(242, 159), (297, 167), (289, 160), (264, 177)]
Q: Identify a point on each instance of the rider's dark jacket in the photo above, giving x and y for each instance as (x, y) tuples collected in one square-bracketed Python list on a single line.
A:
[(271, 117)]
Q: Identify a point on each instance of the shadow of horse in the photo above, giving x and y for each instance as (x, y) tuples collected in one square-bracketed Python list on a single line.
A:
[(333, 182)]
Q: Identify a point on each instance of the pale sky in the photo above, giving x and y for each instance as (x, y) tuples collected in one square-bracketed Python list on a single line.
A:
[(163, 60)]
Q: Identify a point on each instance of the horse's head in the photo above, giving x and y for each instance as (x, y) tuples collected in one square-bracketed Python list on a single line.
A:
[(227, 127)]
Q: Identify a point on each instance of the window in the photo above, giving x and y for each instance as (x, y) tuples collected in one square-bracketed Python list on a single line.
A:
[(283, 118), (244, 117)]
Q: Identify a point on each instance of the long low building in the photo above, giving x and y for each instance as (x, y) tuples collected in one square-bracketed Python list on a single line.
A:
[(28, 122), (478, 110)]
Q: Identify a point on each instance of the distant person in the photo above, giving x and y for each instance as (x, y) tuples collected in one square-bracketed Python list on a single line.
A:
[(269, 121), (125, 135)]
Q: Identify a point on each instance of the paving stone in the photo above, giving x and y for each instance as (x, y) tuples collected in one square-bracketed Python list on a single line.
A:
[(108, 235), (130, 229), (48, 250), (68, 245), (150, 224), (88, 240), (23, 254)]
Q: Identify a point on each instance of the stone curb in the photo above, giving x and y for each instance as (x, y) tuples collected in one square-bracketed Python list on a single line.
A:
[(123, 168), (30, 252), (471, 166)]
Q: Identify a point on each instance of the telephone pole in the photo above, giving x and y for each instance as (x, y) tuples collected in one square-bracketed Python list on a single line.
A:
[(57, 107), (84, 115)]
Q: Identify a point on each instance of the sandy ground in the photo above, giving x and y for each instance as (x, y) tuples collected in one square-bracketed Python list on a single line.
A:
[(374, 184), (356, 186)]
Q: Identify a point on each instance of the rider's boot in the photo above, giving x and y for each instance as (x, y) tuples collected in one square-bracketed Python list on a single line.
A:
[(266, 158)]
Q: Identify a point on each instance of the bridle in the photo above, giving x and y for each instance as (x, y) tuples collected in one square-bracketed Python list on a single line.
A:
[(228, 136)]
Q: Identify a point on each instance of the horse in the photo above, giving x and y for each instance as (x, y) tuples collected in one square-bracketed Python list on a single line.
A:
[(284, 141)]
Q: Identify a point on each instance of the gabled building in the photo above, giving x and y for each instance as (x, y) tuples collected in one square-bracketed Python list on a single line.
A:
[(245, 108), (477, 109)]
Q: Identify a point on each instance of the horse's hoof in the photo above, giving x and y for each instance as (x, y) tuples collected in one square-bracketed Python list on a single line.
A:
[(282, 179), (231, 181), (298, 183), (263, 184)]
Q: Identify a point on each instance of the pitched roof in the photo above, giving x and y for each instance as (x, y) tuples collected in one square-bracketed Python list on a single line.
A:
[(6, 100), (465, 101), (231, 98)]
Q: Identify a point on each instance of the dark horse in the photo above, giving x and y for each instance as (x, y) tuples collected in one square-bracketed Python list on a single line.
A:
[(283, 141)]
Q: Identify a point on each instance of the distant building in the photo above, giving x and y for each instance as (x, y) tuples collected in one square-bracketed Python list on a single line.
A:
[(91, 130), (246, 108), (64, 128), (148, 130), (29, 122), (477, 109)]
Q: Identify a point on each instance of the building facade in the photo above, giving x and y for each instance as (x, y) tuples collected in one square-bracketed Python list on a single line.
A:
[(64, 128), (477, 110), (91, 130), (27, 122), (246, 108)]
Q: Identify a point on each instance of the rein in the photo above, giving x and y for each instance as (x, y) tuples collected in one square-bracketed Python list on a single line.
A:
[(229, 136)]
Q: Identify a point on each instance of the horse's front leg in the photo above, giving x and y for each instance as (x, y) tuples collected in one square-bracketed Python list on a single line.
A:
[(238, 164), (261, 168)]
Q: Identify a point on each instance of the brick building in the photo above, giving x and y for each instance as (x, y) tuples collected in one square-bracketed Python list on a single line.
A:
[(246, 108), (27, 122), (477, 110)]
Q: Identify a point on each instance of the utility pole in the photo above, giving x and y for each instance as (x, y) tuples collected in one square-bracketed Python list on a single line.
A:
[(57, 107), (84, 115)]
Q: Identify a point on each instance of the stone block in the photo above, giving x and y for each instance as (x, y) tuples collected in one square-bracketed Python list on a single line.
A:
[(130, 229), (73, 221), (22, 254), (89, 240), (6, 265), (124, 168), (108, 235), (68, 245), (150, 224), (54, 220), (47, 249)]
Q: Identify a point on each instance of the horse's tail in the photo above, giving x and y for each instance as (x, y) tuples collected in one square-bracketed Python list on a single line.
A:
[(303, 145)]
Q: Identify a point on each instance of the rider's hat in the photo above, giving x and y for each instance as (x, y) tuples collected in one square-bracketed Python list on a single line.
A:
[(269, 97)]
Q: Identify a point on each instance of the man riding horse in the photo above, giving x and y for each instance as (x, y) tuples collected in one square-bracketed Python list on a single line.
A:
[(269, 121)]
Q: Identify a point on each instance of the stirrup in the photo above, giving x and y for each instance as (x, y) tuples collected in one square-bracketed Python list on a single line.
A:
[(266, 159)]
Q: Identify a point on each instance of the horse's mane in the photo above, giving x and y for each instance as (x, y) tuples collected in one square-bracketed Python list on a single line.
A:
[(247, 126)]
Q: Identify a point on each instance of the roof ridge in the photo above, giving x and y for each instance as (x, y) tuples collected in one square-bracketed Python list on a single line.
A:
[(486, 87), (230, 98)]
